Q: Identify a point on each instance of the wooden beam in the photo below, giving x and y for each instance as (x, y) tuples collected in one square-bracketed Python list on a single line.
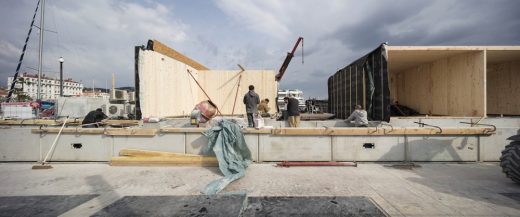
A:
[(130, 131), (135, 157), (75, 130), (372, 131), (170, 52), (146, 153), (163, 161)]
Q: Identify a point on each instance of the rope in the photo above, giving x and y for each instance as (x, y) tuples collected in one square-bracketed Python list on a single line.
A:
[(21, 56)]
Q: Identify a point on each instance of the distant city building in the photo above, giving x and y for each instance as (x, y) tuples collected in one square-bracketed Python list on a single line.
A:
[(50, 87), (96, 93)]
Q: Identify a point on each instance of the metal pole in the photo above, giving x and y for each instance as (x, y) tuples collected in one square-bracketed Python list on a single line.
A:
[(61, 76), (40, 53)]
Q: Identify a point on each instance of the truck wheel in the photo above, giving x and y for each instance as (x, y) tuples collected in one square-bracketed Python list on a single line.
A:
[(510, 161)]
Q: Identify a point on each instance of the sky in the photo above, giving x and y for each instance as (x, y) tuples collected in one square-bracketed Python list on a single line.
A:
[(97, 37)]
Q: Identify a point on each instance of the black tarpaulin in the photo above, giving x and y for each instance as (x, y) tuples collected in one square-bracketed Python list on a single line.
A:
[(364, 82)]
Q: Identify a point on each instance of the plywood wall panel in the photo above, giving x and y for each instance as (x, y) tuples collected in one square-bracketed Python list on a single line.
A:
[(166, 89), (503, 81), (452, 86)]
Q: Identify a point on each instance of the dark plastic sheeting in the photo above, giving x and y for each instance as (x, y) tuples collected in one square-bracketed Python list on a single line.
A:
[(364, 82)]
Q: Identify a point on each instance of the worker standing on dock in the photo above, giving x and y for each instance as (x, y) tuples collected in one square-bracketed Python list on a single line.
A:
[(293, 111), (251, 100), (93, 118), (359, 116)]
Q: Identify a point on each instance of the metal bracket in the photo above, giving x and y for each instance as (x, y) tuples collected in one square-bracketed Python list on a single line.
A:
[(385, 124), (421, 124), (478, 124)]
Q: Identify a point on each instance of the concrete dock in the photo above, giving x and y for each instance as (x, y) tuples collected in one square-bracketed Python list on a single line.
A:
[(433, 189)]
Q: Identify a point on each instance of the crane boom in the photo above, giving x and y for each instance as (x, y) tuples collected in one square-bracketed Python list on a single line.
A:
[(288, 59)]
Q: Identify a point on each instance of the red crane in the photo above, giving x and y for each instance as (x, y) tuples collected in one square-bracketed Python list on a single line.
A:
[(287, 60)]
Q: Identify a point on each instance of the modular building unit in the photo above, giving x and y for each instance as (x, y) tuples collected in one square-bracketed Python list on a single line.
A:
[(164, 88), (453, 81), (365, 83)]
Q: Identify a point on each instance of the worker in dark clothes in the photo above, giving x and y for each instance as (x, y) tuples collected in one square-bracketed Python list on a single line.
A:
[(93, 118), (293, 111), (251, 100)]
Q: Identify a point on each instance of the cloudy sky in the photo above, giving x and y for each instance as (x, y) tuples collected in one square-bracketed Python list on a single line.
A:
[(97, 37)]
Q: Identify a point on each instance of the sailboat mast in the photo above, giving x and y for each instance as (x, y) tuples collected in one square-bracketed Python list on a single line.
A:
[(40, 51)]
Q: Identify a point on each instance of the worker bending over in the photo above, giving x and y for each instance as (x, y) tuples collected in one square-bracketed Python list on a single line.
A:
[(359, 116), (93, 119), (263, 108)]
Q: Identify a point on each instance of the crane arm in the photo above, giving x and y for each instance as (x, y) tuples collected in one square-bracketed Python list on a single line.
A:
[(288, 59)]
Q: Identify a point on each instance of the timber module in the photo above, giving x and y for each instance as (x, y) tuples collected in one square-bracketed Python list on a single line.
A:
[(464, 101)]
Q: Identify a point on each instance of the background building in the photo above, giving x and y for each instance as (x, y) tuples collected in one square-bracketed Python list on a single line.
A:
[(50, 87)]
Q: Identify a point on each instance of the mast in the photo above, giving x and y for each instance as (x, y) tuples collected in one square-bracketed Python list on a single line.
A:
[(40, 53)]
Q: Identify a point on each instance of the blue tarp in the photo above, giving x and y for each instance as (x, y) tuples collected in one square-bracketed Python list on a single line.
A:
[(233, 155)]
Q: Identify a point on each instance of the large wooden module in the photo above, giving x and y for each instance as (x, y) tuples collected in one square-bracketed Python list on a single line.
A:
[(455, 80), (164, 87)]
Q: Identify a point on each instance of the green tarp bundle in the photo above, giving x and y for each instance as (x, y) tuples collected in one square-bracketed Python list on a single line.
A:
[(233, 155)]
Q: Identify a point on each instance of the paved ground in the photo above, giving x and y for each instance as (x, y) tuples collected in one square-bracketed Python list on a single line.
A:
[(370, 189)]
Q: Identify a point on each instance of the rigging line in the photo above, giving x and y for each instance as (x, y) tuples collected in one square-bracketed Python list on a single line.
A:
[(10, 93), (189, 72)]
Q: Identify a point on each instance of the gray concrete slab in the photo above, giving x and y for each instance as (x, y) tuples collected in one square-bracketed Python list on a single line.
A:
[(52, 205), (311, 206), (359, 148), (431, 190), (442, 148), (19, 144), (162, 142), (71, 147), (190, 205), (295, 148)]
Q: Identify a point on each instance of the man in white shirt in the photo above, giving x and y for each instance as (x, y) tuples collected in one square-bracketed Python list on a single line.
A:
[(359, 116)]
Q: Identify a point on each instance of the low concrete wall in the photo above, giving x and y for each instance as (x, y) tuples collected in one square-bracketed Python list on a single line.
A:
[(19, 144)]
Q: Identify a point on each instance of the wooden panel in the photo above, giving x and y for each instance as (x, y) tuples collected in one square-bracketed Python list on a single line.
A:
[(452, 86), (503, 82), (221, 86), (166, 89)]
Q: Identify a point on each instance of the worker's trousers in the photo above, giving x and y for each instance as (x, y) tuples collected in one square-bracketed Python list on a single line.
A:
[(250, 120), (294, 121)]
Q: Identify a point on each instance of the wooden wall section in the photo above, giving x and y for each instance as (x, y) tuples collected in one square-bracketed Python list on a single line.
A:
[(450, 86), (503, 92), (167, 90), (221, 86)]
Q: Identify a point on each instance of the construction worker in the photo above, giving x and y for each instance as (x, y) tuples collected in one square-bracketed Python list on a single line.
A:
[(251, 100), (263, 108), (359, 116), (293, 111), (93, 118)]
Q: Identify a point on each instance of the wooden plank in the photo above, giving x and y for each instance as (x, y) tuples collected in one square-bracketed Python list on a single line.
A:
[(200, 130), (170, 52), (163, 161), (371, 131), (130, 131), (75, 130), (146, 153)]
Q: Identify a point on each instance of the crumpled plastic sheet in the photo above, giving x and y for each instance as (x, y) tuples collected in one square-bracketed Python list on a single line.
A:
[(233, 155)]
